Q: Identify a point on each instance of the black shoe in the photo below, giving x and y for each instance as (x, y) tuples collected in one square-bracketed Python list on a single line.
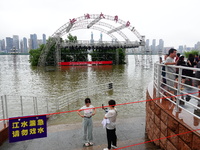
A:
[(187, 98)]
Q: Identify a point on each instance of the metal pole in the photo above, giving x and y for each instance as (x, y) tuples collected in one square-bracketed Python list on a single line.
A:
[(6, 106), (3, 110), (178, 90), (117, 57), (78, 95), (57, 104), (33, 106), (47, 105), (36, 105), (22, 114), (159, 79)]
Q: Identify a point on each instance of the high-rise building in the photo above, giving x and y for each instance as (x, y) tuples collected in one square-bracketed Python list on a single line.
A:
[(0, 45), (180, 49), (92, 38), (40, 42), (197, 46), (33, 40), (9, 44), (185, 48), (21, 46), (153, 46), (16, 42), (161, 46), (43, 39), (30, 44), (25, 45), (101, 37), (3, 45), (147, 45)]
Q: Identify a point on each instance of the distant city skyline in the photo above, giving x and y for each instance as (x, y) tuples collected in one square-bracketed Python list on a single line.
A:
[(43, 38), (160, 47), (176, 22), (22, 45)]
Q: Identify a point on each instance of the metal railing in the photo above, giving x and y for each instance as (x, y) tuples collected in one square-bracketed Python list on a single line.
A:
[(185, 92), (103, 43), (82, 93), (17, 106)]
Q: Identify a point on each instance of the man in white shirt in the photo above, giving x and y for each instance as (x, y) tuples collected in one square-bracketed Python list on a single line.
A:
[(169, 70), (111, 127)]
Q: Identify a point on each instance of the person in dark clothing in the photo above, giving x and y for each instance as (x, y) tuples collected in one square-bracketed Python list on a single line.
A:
[(196, 57), (177, 56), (190, 63), (197, 75), (181, 62), (163, 69)]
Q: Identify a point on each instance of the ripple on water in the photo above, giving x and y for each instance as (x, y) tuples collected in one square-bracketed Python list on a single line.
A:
[(17, 77)]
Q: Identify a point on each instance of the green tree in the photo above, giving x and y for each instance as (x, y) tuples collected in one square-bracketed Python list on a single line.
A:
[(34, 55), (194, 52), (108, 54), (75, 53), (71, 38)]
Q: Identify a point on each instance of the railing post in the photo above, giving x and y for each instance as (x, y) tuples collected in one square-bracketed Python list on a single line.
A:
[(47, 105), (22, 114), (117, 57), (3, 112), (155, 78), (57, 104), (6, 106), (178, 89), (159, 79), (36, 105)]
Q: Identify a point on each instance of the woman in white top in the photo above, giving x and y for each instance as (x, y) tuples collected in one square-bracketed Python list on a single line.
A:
[(89, 111)]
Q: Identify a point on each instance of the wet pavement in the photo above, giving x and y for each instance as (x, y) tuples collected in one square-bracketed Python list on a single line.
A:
[(130, 135)]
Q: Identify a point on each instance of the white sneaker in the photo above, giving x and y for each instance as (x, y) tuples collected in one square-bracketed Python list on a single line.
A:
[(113, 146), (91, 144), (105, 149), (87, 144)]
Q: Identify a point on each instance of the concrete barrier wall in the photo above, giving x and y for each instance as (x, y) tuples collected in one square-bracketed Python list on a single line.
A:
[(166, 130)]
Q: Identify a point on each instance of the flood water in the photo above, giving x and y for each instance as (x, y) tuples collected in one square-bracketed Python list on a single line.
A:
[(17, 77)]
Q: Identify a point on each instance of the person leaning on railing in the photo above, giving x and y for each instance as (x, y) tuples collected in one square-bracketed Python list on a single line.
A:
[(191, 63), (197, 75), (170, 71), (189, 72), (163, 69), (181, 62)]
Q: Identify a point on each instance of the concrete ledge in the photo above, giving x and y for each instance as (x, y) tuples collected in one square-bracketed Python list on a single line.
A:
[(162, 121)]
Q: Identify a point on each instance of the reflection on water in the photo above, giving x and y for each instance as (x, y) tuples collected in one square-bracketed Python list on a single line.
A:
[(17, 77)]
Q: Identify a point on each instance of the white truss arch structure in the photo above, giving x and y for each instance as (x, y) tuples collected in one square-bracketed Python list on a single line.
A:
[(95, 19), (94, 28), (83, 25), (90, 21)]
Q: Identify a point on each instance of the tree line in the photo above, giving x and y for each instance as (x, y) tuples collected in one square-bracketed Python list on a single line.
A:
[(75, 54)]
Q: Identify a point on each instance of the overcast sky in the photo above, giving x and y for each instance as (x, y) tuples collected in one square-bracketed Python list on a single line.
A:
[(175, 21)]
